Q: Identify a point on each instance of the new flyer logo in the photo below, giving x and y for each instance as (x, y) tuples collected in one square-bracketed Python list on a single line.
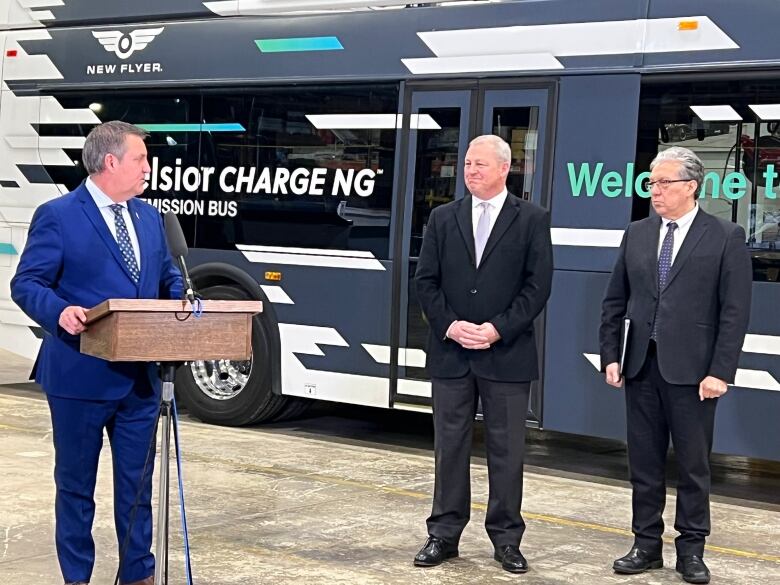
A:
[(123, 45)]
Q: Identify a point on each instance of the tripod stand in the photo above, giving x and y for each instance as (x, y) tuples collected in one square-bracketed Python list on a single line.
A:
[(169, 419)]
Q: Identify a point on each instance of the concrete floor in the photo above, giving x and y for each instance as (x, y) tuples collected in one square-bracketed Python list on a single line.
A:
[(277, 505)]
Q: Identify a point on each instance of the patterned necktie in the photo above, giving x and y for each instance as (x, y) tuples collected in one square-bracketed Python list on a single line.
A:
[(123, 239), (483, 230), (664, 265)]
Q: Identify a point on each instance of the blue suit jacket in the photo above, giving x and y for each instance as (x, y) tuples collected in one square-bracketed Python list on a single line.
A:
[(71, 258)]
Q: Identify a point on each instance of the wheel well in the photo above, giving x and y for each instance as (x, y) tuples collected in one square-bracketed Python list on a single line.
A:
[(218, 273)]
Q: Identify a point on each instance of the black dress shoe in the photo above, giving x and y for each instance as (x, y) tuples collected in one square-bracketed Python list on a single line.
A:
[(511, 559), (693, 569), (434, 552), (637, 561)]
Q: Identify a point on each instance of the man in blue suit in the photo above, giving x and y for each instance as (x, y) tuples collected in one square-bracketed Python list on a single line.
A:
[(92, 244)]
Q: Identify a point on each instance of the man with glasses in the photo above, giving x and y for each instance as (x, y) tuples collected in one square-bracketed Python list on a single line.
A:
[(681, 284)]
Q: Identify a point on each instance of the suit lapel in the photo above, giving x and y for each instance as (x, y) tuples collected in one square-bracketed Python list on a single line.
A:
[(142, 236), (648, 247), (506, 216), (96, 218), (463, 218), (692, 238)]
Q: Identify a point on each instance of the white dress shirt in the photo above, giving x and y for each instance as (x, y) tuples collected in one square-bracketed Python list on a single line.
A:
[(495, 205), (494, 208), (104, 203), (683, 225)]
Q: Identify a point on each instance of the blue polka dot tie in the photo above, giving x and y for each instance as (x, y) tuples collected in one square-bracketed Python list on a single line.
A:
[(123, 239), (664, 265)]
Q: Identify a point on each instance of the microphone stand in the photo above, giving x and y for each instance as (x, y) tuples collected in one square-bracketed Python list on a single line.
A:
[(170, 420)]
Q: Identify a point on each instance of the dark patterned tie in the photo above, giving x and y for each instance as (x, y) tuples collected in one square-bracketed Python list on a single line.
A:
[(664, 265), (123, 239)]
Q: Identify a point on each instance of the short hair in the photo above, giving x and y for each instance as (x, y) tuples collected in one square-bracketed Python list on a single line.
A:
[(692, 167), (107, 138), (501, 148)]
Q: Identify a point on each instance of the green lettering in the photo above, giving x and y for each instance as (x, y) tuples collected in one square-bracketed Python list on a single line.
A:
[(612, 184), (734, 185), (576, 180)]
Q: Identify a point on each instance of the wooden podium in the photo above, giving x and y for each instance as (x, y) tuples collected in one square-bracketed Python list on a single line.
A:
[(167, 331)]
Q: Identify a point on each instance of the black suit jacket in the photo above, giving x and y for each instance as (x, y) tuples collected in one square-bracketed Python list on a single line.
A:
[(509, 289), (703, 311)]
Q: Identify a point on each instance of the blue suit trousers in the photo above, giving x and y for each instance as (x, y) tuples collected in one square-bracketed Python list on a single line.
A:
[(78, 427)]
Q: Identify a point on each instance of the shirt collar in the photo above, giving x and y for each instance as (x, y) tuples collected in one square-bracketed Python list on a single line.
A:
[(98, 196), (684, 220), (497, 201)]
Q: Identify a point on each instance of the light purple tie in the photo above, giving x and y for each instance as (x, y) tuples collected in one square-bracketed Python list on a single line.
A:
[(483, 230)]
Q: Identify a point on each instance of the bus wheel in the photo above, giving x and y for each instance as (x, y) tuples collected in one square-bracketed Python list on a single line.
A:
[(228, 392)]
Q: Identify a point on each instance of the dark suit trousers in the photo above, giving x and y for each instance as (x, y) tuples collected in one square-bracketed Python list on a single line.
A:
[(656, 410), (78, 439), (504, 406)]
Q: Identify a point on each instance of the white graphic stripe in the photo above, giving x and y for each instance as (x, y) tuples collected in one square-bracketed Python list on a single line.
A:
[(419, 388), (586, 237), (45, 141), (276, 294), (309, 260), (768, 344), (297, 380), (40, 3), (757, 379), (41, 15), (414, 358), (471, 64), (581, 39), (310, 251)]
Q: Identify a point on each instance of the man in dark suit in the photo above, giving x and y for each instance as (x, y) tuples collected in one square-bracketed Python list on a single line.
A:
[(484, 274), (92, 244), (683, 278)]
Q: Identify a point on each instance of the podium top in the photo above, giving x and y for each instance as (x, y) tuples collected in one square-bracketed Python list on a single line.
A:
[(169, 306)]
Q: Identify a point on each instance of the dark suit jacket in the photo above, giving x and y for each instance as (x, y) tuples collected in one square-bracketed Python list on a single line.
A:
[(71, 258), (509, 289), (704, 309)]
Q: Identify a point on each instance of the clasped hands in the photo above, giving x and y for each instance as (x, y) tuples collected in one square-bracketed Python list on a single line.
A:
[(473, 336), (709, 387)]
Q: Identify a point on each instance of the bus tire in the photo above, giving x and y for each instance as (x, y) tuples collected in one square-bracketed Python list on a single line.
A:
[(293, 408), (220, 392)]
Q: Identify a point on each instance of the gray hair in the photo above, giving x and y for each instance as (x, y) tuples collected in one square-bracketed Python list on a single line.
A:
[(107, 138), (692, 167), (501, 148)]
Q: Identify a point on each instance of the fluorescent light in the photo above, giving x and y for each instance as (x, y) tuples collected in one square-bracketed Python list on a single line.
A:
[(370, 121), (766, 111), (716, 113)]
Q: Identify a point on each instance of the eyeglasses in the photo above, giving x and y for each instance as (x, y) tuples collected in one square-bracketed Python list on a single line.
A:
[(663, 184)]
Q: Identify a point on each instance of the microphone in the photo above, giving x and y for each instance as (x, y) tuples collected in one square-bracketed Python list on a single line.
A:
[(178, 247)]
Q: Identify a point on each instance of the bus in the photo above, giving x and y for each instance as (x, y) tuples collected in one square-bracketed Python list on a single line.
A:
[(304, 144)]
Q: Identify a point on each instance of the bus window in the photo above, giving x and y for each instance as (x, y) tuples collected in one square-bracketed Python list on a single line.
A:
[(301, 167), (519, 127), (737, 154), (172, 123)]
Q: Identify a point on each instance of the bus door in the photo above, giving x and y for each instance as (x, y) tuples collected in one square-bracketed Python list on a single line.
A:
[(445, 122), (520, 118)]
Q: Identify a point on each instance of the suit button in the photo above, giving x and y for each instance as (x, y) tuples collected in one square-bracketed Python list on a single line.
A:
[(473, 291)]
